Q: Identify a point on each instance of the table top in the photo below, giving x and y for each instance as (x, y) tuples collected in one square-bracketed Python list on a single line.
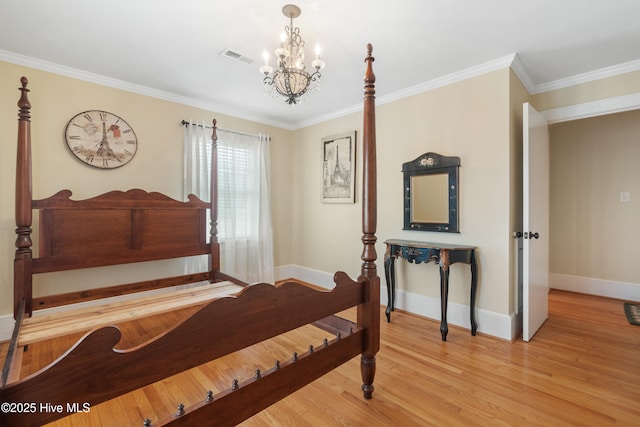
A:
[(428, 245)]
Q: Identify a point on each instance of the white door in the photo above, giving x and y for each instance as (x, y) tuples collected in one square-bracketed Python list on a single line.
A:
[(535, 245)]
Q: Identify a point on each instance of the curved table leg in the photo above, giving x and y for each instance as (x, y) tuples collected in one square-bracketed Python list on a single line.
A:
[(444, 292), (474, 286), (390, 276)]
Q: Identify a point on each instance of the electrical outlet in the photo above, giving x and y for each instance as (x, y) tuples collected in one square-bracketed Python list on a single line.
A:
[(625, 196)]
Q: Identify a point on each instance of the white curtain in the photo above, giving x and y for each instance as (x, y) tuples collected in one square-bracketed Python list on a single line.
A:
[(197, 160), (245, 228)]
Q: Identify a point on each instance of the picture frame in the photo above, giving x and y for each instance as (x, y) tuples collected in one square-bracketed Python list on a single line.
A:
[(339, 168)]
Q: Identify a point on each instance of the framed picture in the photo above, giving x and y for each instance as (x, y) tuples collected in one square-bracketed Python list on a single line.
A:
[(339, 168)]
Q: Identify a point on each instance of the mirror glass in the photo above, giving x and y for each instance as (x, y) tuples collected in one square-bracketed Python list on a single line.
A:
[(431, 193), (430, 198)]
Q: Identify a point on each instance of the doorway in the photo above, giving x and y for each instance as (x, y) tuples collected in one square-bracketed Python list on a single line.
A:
[(594, 205), (601, 110)]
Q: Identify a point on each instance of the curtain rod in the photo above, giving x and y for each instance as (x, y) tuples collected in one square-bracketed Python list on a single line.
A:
[(186, 123)]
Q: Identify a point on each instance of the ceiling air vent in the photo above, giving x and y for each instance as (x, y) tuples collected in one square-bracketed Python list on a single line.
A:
[(228, 53)]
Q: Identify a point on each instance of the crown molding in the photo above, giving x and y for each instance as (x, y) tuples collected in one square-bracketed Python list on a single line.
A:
[(619, 104), (458, 76), (521, 71), (86, 76), (612, 71), (572, 112), (467, 73), (600, 107), (330, 116)]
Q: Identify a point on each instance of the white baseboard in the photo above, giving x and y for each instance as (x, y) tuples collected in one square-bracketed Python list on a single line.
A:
[(498, 325), (6, 327), (490, 323), (309, 275), (600, 287)]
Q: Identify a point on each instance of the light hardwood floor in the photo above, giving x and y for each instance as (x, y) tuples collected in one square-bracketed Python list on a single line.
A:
[(582, 368)]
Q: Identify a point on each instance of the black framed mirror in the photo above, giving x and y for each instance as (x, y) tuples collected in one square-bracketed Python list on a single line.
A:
[(431, 193)]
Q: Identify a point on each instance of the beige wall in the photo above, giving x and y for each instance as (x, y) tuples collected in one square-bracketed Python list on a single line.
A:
[(604, 266), (478, 119), (465, 119), (157, 165), (593, 234)]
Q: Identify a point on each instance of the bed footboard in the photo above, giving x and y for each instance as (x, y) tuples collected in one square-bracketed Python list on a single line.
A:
[(94, 371)]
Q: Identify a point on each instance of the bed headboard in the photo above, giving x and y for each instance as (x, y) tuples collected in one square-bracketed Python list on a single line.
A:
[(117, 228), (113, 228)]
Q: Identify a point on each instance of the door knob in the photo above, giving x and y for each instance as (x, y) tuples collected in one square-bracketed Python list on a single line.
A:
[(526, 235)]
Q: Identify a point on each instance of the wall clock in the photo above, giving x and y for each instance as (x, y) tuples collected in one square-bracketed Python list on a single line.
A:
[(101, 139)]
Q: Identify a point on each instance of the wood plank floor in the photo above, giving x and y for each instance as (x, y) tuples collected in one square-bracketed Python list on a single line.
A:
[(581, 369)]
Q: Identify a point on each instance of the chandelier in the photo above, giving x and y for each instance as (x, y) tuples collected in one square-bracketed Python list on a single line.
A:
[(290, 78)]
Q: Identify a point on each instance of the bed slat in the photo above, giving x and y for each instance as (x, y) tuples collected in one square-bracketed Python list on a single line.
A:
[(39, 328), (55, 300)]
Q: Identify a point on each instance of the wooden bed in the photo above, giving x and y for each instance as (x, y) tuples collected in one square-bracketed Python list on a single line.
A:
[(137, 226)]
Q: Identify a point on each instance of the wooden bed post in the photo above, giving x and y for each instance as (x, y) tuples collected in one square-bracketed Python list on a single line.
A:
[(214, 259), (22, 266), (369, 312)]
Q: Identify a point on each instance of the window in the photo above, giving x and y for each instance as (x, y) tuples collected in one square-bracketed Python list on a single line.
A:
[(237, 195), (244, 213)]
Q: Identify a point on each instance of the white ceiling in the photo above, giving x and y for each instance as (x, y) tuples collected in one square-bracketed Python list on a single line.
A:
[(170, 48)]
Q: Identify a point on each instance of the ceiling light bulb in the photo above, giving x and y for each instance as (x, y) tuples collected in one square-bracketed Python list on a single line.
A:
[(266, 69), (317, 64), (281, 52)]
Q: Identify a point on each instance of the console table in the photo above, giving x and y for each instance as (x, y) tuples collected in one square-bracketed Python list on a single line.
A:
[(444, 255)]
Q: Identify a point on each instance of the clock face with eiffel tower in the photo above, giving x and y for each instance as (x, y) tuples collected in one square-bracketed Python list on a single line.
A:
[(101, 139)]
